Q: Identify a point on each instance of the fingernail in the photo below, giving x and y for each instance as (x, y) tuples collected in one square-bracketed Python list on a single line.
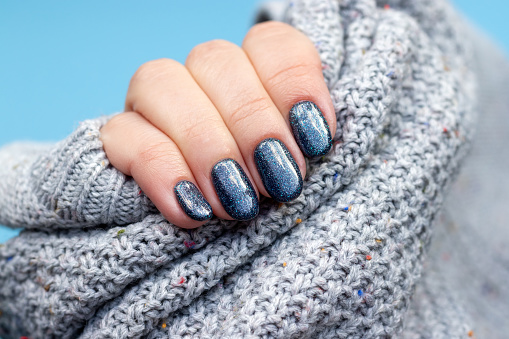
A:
[(234, 190), (310, 129), (192, 201), (280, 174)]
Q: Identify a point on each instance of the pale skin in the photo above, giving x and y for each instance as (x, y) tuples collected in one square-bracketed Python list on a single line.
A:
[(180, 120)]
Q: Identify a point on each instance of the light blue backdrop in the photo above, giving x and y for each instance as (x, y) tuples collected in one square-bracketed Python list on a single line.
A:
[(63, 62)]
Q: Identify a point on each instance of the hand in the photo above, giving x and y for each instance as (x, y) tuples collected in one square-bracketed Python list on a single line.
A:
[(213, 134)]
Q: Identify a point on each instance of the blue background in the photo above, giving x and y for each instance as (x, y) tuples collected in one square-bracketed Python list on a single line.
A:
[(63, 62)]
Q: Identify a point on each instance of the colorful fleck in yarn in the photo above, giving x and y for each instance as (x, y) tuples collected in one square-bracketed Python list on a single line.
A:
[(386, 75), (189, 244)]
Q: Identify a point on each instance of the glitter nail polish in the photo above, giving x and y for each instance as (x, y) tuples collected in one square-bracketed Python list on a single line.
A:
[(234, 190), (192, 201), (310, 129), (280, 174)]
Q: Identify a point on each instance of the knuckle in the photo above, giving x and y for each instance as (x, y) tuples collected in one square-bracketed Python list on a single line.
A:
[(155, 68), (150, 158), (267, 30), (206, 50), (116, 123), (194, 133), (291, 73), (243, 109), (203, 132), (148, 73)]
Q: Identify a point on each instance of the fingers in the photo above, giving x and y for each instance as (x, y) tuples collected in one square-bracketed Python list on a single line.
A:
[(289, 67), (137, 148), (270, 152), (197, 137), (165, 93)]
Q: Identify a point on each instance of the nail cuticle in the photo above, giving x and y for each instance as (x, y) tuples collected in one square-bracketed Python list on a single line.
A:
[(310, 129), (192, 202), (234, 190), (279, 171)]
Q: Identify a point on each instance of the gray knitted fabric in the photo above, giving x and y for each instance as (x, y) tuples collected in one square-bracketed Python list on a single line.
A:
[(350, 257)]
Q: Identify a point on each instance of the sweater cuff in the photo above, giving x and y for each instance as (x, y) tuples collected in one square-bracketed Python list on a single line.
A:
[(67, 184)]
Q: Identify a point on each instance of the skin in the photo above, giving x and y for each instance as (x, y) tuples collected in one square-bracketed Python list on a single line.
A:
[(180, 120)]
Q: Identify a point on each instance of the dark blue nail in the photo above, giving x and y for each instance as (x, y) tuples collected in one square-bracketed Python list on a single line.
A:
[(234, 190), (192, 201), (280, 174), (310, 129)]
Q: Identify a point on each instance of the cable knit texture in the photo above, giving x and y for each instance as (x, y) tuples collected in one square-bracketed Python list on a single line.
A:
[(96, 259)]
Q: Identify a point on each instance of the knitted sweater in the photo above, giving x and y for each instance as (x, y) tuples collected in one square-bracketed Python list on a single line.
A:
[(362, 253)]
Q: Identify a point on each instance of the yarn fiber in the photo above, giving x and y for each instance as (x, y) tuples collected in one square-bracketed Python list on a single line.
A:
[(349, 258)]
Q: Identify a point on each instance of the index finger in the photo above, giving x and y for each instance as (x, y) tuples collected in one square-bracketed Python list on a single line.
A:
[(290, 69)]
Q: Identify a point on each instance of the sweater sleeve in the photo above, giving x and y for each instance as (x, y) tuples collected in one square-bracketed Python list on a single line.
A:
[(341, 260), (67, 184)]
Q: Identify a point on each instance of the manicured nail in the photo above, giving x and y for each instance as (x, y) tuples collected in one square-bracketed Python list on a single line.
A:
[(192, 201), (280, 174), (310, 129), (234, 190)]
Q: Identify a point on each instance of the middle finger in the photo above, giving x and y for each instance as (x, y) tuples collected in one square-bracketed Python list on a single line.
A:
[(226, 75)]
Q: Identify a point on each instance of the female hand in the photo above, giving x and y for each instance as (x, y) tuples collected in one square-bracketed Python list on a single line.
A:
[(234, 122)]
